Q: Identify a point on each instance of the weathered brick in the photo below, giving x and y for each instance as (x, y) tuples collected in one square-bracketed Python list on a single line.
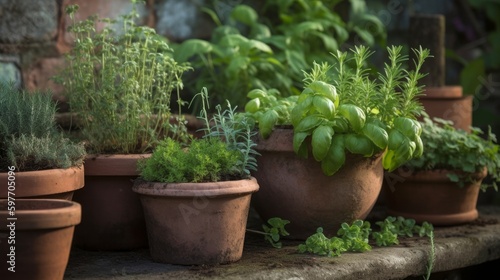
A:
[(104, 9), (39, 77), (28, 21)]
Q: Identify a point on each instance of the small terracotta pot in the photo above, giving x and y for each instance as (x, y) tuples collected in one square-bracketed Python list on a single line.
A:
[(112, 218), (50, 183), (431, 196), (448, 102), (296, 189), (196, 223), (38, 242)]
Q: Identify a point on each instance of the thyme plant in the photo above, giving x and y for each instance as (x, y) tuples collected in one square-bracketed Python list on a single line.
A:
[(120, 84)]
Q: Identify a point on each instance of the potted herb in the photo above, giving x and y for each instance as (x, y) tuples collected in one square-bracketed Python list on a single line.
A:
[(119, 82), (270, 46), (39, 171), (443, 184), (46, 164), (324, 151), (196, 198)]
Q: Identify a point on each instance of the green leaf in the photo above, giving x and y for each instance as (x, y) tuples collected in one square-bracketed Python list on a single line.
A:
[(308, 123), (244, 14), (324, 106), (396, 138), (256, 93), (359, 144), (376, 134), (340, 125), (324, 89), (336, 156), (354, 115), (260, 46), (321, 141), (192, 47), (299, 146), (409, 127), (267, 122), (252, 106), (236, 65)]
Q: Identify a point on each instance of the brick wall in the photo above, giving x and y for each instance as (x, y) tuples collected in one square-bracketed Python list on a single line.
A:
[(33, 37)]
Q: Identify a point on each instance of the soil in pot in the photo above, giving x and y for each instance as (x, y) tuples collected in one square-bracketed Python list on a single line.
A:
[(36, 245)]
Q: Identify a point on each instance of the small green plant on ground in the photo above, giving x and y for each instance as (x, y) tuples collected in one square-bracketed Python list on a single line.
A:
[(355, 237), (273, 231), (29, 138), (226, 152)]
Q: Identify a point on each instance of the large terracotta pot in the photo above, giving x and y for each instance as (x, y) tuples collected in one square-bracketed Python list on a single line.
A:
[(431, 196), (296, 189), (36, 242), (112, 218), (50, 183), (449, 103), (196, 223)]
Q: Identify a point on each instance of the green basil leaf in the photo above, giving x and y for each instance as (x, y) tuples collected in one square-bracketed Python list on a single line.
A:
[(340, 125), (376, 134), (309, 123), (324, 106), (256, 93), (396, 138), (359, 144), (336, 156), (267, 122), (253, 105), (321, 141), (324, 89), (409, 127), (301, 109), (299, 146), (354, 115)]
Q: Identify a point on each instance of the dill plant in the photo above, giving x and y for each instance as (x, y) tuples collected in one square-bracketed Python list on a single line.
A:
[(120, 84)]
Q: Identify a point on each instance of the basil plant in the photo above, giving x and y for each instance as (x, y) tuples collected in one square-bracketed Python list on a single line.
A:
[(345, 107)]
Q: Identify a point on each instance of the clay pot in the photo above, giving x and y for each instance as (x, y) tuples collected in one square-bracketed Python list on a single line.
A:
[(39, 241), (50, 183), (196, 223), (448, 102), (112, 218), (296, 189), (431, 196)]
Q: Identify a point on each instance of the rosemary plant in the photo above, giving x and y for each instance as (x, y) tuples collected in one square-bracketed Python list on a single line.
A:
[(120, 84), (29, 139)]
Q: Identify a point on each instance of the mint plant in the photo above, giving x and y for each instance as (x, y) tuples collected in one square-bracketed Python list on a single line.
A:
[(460, 152)]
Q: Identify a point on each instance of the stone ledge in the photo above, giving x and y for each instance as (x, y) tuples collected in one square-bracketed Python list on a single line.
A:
[(456, 248)]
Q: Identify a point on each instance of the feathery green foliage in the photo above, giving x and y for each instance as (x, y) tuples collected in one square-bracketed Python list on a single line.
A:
[(226, 152), (120, 84), (29, 138)]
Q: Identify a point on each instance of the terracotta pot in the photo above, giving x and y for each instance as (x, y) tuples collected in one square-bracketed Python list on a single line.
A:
[(448, 102), (38, 243), (112, 218), (196, 223), (431, 196), (296, 189), (50, 183)]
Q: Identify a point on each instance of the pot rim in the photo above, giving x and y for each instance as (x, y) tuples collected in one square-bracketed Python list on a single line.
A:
[(208, 189), (33, 214)]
